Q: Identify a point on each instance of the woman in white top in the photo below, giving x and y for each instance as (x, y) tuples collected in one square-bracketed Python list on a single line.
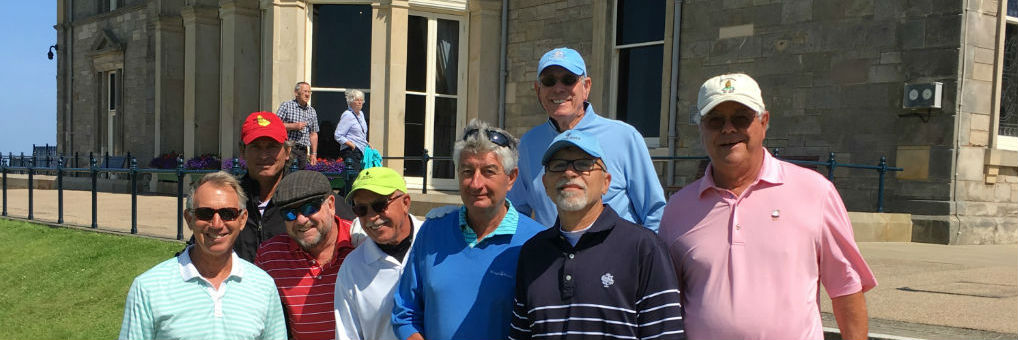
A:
[(352, 130)]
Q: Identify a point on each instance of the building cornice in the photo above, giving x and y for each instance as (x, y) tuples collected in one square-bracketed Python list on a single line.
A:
[(200, 15)]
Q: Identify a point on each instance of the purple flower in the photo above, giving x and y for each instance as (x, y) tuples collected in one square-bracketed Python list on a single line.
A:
[(164, 161), (203, 162), (228, 164)]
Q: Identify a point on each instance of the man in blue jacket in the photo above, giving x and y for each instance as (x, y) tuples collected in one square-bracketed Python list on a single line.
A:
[(562, 89), (458, 280)]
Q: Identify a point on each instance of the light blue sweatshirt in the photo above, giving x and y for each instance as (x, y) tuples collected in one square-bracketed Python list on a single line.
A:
[(635, 191)]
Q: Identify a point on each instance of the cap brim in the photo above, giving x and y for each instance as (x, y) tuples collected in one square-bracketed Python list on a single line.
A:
[(729, 98), (562, 144), (572, 69), (381, 190), (301, 201), (251, 138)]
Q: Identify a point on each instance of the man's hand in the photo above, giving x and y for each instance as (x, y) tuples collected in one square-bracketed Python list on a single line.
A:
[(312, 159), (295, 126), (416, 336), (850, 312)]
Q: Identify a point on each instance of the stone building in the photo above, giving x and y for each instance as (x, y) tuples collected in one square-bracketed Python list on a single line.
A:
[(154, 76)]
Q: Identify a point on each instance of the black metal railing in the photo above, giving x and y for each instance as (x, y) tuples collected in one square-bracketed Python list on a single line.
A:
[(11, 164)]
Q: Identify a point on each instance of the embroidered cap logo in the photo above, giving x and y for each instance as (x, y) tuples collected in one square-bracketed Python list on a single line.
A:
[(728, 86)]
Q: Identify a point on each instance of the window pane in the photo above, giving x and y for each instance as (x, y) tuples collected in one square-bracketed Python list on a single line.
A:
[(447, 56), (1012, 8), (413, 134), (329, 106), (112, 92), (639, 97), (640, 21), (445, 136), (341, 46), (416, 53), (1009, 88)]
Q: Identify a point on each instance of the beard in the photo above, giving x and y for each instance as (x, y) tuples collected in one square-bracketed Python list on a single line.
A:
[(571, 200), (307, 245)]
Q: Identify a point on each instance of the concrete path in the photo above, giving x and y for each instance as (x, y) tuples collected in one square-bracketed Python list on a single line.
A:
[(925, 291)]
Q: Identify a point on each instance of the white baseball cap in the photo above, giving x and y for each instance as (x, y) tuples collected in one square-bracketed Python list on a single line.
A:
[(736, 87)]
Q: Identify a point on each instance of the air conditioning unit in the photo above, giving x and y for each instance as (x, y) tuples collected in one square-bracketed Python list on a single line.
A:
[(923, 96)]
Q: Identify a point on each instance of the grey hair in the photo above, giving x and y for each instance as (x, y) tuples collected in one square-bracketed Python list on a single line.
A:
[(297, 87), (219, 179), (478, 143), (352, 95)]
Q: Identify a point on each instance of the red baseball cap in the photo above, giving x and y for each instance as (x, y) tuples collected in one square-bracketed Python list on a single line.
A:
[(262, 124)]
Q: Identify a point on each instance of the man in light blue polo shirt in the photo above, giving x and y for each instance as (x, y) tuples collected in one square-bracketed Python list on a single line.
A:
[(562, 88), (207, 292)]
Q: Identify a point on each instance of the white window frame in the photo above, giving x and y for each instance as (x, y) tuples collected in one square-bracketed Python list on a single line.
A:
[(112, 95), (652, 142), (430, 95), (1005, 142)]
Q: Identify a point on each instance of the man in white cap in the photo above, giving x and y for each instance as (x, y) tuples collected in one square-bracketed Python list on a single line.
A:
[(368, 278), (593, 273), (562, 88), (753, 239)]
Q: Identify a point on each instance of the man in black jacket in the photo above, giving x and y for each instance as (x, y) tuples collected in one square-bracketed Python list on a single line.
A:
[(267, 154)]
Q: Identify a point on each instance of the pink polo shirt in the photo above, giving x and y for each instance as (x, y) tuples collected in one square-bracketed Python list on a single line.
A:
[(750, 266)]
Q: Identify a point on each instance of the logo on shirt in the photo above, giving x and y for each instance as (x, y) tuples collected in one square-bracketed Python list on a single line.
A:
[(499, 273), (607, 280)]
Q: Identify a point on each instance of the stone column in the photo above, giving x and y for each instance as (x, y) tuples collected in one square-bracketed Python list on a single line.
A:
[(483, 59), (239, 69), (168, 130), (283, 50), (388, 78), (201, 80)]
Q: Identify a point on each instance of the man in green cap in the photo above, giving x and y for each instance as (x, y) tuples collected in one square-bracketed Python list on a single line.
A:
[(369, 275)]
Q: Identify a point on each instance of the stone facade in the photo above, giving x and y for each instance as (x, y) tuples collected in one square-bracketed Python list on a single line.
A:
[(832, 73)]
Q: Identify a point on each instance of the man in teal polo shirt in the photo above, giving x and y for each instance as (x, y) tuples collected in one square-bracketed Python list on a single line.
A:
[(207, 292)]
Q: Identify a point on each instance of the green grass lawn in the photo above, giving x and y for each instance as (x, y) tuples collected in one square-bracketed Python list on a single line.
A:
[(60, 283)]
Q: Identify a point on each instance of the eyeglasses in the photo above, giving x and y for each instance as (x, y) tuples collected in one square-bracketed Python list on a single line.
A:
[(378, 206), (739, 121), (226, 214), (496, 137), (579, 165), (567, 80), (307, 209)]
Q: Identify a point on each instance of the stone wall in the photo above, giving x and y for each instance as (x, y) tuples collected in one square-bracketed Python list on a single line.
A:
[(536, 26)]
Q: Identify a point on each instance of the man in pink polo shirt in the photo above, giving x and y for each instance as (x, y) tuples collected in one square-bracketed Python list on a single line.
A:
[(753, 239)]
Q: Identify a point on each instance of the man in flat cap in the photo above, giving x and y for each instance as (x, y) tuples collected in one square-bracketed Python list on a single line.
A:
[(368, 278), (305, 260), (593, 273)]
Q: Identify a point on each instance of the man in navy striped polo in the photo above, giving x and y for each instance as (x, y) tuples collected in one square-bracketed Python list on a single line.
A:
[(593, 274)]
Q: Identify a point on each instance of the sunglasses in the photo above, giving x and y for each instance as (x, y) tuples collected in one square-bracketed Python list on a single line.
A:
[(567, 80), (226, 214), (306, 209), (739, 121), (378, 206), (579, 165), (496, 137)]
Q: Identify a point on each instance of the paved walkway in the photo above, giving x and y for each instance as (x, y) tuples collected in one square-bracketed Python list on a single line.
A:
[(925, 291)]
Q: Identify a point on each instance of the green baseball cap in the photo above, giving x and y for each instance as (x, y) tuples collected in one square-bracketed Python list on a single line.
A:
[(379, 180)]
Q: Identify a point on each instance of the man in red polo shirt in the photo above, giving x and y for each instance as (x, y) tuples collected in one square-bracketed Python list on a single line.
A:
[(304, 261)]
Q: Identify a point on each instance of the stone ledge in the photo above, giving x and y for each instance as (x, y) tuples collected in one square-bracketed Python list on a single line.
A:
[(881, 227)]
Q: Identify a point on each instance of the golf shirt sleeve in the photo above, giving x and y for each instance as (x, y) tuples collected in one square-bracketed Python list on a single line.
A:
[(659, 311), (275, 326), (643, 187), (408, 301), (842, 268), (138, 323), (519, 328)]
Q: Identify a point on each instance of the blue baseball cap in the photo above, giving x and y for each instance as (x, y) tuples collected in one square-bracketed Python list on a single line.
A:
[(566, 57), (579, 139)]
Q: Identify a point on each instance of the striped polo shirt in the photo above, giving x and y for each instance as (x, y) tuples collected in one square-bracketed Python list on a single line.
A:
[(173, 301), (306, 287), (616, 283)]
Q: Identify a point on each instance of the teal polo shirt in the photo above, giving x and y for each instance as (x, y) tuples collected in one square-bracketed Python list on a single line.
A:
[(506, 227)]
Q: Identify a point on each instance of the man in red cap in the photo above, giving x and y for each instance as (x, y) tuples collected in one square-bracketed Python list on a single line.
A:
[(267, 153)]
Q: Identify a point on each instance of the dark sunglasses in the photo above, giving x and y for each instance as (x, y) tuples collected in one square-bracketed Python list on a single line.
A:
[(306, 209), (378, 206), (496, 137), (579, 165), (226, 214), (567, 80), (739, 121)]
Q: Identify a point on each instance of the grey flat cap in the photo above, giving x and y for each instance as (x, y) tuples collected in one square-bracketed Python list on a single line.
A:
[(301, 186)]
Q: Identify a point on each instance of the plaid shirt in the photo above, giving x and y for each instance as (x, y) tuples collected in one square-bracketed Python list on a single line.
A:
[(291, 112)]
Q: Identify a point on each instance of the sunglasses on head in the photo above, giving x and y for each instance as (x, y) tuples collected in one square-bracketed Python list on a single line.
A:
[(739, 121), (496, 137), (306, 209), (226, 214), (579, 165), (377, 206), (567, 80)]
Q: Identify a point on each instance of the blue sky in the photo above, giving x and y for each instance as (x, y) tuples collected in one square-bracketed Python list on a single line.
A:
[(28, 91)]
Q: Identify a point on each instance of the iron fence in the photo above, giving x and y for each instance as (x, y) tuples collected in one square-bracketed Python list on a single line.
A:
[(11, 164)]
